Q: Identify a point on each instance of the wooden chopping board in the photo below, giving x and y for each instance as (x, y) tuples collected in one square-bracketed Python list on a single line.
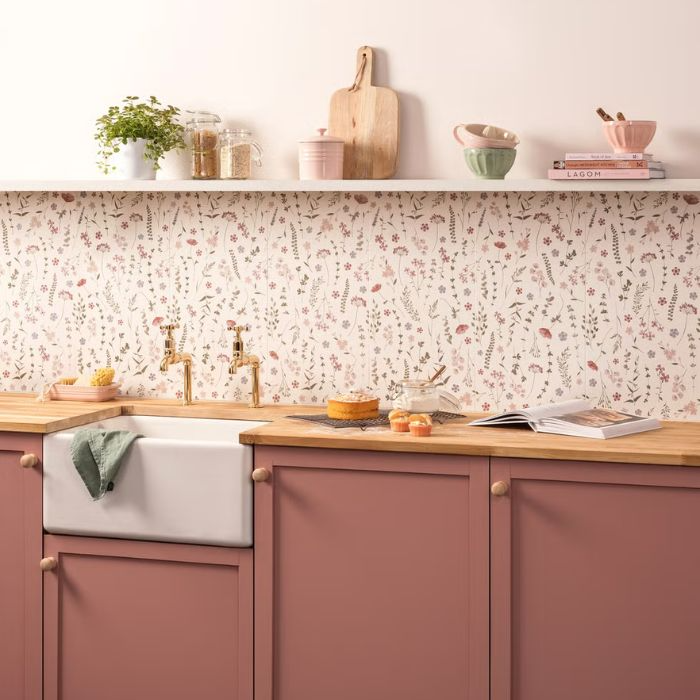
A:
[(367, 119)]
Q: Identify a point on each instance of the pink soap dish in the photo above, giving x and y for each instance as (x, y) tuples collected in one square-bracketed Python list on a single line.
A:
[(67, 392)]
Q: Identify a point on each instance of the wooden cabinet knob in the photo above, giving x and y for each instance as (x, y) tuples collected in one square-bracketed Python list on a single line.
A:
[(48, 564), (28, 461), (260, 474), (499, 488)]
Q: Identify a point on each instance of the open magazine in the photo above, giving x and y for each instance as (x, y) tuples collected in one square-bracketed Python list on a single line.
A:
[(578, 418)]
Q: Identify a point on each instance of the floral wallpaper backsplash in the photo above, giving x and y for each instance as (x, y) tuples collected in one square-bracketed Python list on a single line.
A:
[(526, 297)]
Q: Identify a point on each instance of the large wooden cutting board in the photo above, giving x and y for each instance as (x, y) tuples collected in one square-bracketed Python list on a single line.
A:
[(367, 119)]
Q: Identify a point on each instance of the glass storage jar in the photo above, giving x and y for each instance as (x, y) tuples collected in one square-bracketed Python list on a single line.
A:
[(203, 134), (420, 396), (237, 151)]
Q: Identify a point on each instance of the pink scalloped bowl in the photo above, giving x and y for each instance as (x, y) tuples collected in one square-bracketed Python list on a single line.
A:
[(630, 136), (474, 137), (68, 392)]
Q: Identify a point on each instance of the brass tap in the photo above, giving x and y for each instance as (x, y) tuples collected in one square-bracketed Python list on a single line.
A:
[(240, 359), (172, 357)]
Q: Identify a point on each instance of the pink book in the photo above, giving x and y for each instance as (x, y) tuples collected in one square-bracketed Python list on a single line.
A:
[(608, 156), (604, 174)]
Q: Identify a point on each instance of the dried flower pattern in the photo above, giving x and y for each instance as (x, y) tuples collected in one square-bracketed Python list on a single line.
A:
[(526, 297)]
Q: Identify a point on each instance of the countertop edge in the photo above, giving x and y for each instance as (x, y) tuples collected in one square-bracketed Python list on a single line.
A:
[(27, 424), (679, 445), (424, 446)]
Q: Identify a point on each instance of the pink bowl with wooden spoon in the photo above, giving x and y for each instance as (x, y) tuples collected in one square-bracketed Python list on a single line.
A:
[(629, 136)]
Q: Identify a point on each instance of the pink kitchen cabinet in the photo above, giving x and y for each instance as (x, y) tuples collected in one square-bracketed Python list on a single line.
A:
[(20, 576), (371, 575), (127, 620), (595, 581)]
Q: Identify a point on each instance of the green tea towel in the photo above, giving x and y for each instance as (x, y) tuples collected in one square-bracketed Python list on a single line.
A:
[(97, 455)]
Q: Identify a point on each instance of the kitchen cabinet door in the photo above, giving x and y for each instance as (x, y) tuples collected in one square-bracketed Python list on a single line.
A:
[(20, 576), (595, 581), (371, 575), (144, 621)]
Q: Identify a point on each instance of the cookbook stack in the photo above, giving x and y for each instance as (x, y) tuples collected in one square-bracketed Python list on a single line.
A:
[(607, 166)]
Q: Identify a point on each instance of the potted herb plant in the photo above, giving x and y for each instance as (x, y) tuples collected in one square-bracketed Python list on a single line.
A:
[(133, 137)]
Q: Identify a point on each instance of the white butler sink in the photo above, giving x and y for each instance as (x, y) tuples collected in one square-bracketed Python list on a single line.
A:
[(185, 480)]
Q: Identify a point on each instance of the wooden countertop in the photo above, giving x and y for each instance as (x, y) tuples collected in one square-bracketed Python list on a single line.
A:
[(22, 413), (676, 443), (214, 409)]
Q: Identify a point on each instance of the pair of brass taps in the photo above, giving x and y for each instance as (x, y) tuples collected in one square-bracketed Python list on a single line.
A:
[(239, 358)]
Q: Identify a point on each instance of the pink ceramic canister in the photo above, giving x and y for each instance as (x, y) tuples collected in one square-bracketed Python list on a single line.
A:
[(321, 157)]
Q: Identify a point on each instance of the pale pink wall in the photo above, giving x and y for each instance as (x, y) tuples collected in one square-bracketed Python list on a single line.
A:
[(538, 67)]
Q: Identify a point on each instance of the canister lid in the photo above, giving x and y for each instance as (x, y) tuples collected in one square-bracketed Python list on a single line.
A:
[(321, 138), (200, 117)]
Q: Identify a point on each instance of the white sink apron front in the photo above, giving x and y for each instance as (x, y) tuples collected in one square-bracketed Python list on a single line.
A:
[(186, 480)]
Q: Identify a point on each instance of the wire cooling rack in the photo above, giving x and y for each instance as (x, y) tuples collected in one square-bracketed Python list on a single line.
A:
[(383, 419)]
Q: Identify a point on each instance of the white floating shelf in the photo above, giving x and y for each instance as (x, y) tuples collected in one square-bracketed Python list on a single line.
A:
[(436, 185)]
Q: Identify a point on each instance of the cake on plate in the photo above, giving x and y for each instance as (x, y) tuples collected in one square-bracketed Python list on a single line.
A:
[(355, 405)]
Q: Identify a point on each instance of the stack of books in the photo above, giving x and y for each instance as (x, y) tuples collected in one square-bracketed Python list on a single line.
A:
[(607, 166)]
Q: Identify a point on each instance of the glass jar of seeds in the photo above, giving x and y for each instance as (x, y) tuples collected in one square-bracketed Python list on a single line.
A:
[(237, 153), (203, 134)]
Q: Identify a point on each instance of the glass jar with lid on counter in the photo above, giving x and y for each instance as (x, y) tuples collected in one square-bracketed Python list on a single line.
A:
[(237, 152), (423, 396), (203, 135)]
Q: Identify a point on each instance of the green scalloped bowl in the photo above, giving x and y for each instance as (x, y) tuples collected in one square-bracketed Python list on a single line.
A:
[(490, 163)]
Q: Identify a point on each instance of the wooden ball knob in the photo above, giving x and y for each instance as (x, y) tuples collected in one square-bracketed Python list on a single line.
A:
[(48, 564), (260, 474), (28, 461), (499, 488)]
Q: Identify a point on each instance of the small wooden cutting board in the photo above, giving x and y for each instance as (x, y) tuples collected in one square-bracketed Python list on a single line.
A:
[(367, 119)]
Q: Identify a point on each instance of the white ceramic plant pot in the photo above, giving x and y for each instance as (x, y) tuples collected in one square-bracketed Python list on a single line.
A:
[(130, 163), (176, 165)]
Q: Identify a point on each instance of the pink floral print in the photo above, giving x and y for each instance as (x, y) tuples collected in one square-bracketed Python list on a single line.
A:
[(526, 297)]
